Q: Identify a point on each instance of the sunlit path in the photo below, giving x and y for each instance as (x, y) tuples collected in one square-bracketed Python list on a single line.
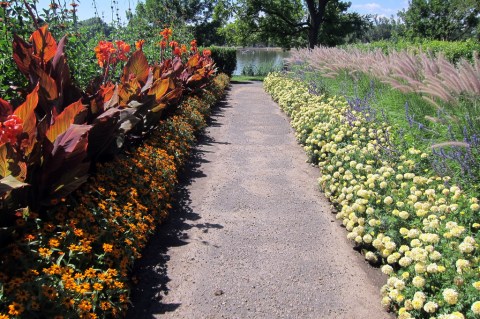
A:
[(252, 236)]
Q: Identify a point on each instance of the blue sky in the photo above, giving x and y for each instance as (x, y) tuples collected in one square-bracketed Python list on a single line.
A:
[(381, 7)]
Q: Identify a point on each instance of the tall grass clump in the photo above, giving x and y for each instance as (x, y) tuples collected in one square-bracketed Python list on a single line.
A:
[(433, 101), (261, 69)]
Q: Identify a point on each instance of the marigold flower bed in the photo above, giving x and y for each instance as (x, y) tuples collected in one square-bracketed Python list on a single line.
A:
[(79, 267), (420, 228)]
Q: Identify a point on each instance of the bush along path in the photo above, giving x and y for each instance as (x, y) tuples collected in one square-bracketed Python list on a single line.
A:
[(421, 227), (257, 239)]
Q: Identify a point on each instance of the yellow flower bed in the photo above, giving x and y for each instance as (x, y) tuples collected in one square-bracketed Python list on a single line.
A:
[(74, 261), (421, 229)]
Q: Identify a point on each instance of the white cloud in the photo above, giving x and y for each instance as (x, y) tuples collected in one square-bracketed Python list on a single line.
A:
[(381, 9), (367, 6)]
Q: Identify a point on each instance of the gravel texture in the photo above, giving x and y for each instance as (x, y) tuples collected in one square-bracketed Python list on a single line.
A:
[(251, 235)]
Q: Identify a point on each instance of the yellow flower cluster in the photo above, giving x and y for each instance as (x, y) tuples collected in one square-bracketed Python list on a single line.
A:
[(73, 261), (420, 227)]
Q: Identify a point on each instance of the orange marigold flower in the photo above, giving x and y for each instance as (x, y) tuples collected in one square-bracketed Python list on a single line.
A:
[(166, 33), (35, 305), (207, 53), (78, 232), (49, 292), (69, 302), (90, 273), (97, 286), (193, 46), (15, 309), (85, 306), (22, 295), (44, 252), (53, 242), (105, 305), (107, 248), (183, 48)]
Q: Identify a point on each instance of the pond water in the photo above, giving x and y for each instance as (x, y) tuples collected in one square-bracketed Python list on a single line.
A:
[(257, 57)]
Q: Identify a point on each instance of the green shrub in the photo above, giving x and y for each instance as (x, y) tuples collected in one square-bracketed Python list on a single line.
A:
[(453, 50), (225, 59)]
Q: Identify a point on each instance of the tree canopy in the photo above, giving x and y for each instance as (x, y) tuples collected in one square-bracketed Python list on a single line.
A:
[(289, 23), (442, 19)]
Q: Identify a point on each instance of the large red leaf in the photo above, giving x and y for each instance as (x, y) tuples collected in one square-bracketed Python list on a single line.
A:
[(127, 91), (136, 66), (64, 120), (66, 168), (48, 85), (159, 88), (4, 171), (170, 98), (26, 112), (44, 45), (5, 109), (193, 61), (22, 54)]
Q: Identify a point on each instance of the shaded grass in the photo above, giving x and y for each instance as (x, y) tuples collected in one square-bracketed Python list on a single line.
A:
[(246, 78)]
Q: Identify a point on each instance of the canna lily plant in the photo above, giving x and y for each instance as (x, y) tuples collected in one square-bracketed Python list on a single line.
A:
[(49, 143)]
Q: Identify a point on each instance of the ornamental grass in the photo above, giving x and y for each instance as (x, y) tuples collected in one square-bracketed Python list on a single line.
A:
[(422, 229), (75, 261)]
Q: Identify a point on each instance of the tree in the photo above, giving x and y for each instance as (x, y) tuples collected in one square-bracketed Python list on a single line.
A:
[(442, 19), (289, 22), (196, 14), (382, 28)]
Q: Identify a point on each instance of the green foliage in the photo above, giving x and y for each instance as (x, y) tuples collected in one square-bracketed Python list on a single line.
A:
[(289, 23), (453, 50), (442, 19), (225, 59), (382, 28)]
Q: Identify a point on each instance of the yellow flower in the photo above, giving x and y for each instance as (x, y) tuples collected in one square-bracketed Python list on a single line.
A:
[(476, 307), (476, 284), (450, 296), (388, 200)]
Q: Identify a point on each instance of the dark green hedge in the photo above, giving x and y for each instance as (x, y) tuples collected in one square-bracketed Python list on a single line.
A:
[(225, 59)]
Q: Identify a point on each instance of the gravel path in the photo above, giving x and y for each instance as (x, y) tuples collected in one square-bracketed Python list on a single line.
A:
[(251, 236)]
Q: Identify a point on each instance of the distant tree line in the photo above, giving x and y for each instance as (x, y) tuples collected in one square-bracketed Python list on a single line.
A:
[(300, 23)]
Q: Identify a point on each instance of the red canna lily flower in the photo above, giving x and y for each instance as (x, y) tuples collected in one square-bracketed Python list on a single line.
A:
[(139, 44), (177, 51), (166, 33), (206, 53), (10, 129)]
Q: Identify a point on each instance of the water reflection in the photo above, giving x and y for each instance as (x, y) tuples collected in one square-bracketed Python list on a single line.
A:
[(258, 56)]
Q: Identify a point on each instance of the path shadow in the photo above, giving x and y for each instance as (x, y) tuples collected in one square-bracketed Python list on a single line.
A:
[(245, 82), (151, 270)]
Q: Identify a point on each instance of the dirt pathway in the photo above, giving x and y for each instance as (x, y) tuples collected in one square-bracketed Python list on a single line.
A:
[(252, 237)]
